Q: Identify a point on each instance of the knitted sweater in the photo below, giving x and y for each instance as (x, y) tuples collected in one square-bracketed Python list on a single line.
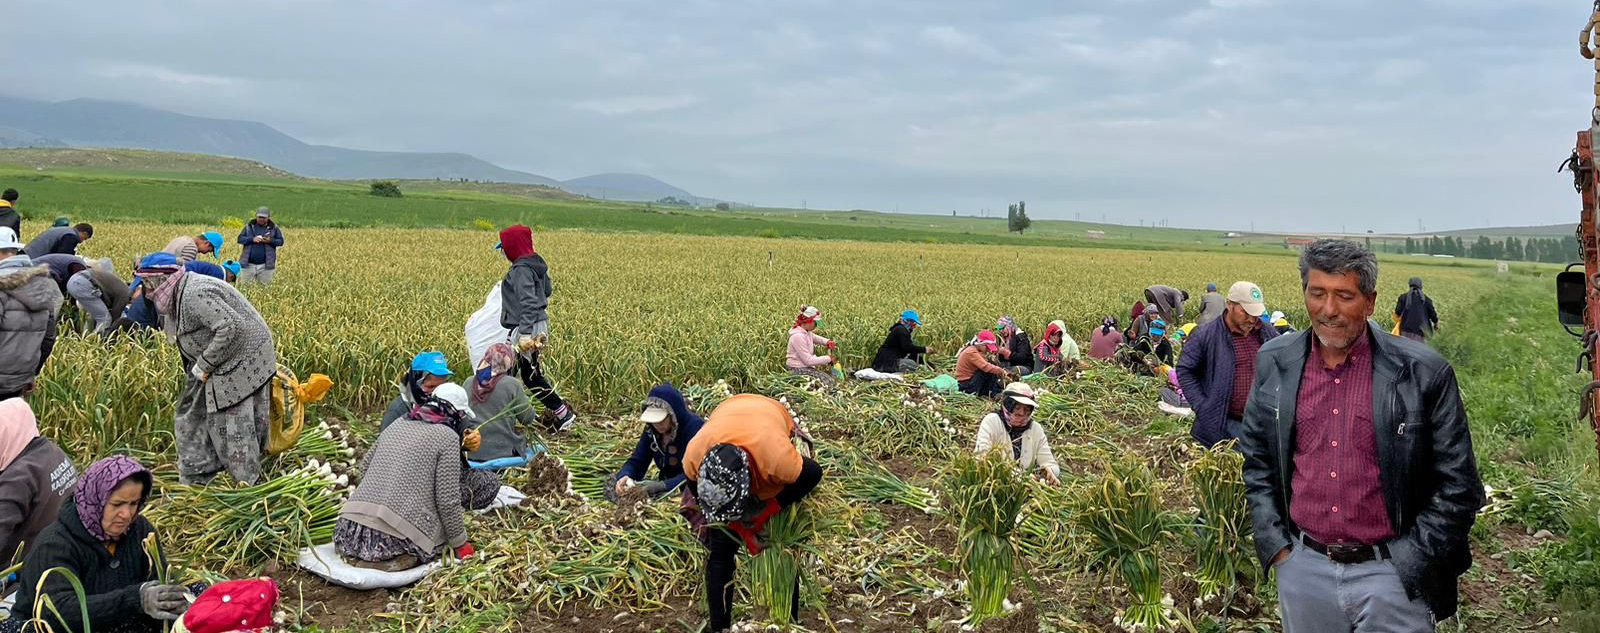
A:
[(411, 486), (219, 330)]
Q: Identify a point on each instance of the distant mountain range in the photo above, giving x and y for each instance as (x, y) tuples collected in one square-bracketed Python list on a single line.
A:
[(97, 123)]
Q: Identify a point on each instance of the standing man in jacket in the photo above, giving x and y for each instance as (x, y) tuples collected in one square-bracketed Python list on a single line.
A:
[(1415, 314), (524, 300), (259, 254), (1358, 462), (30, 302), (1218, 362), (1212, 305)]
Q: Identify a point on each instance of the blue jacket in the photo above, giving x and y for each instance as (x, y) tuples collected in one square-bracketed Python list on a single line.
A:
[(668, 462), (263, 254), (1205, 372)]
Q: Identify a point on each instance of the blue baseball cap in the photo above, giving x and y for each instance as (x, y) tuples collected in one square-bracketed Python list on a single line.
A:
[(158, 258), (231, 266), (431, 362), (912, 316), (216, 241)]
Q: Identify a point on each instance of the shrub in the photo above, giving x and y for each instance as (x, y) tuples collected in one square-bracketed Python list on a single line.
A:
[(385, 189), (481, 224), (231, 223)]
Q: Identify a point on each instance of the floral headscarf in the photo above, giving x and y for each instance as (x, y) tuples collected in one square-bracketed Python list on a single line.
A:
[(97, 484), (499, 360), (724, 485)]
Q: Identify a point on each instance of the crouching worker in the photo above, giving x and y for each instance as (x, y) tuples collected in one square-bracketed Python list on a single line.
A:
[(428, 371), (669, 425), (99, 539), (899, 354), (1012, 426), (36, 477), (976, 373), (408, 506), (743, 469), (501, 406)]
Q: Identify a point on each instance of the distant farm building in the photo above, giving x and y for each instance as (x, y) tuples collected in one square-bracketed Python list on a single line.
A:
[(1099, 235), (1298, 243)]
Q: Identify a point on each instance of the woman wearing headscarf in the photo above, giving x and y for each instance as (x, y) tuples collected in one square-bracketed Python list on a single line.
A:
[(1105, 340), (99, 538), (802, 357), (408, 507), (525, 301), (428, 371), (1016, 351), (1012, 426), (1056, 352), (228, 352), (899, 354), (500, 406), (743, 469), (975, 373), (36, 476), (669, 425)]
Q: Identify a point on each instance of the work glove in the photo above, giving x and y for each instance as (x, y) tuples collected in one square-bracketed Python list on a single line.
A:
[(653, 487), (465, 550), (831, 345), (471, 440), (162, 602), (198, 373), (624, 483), (748, 529)]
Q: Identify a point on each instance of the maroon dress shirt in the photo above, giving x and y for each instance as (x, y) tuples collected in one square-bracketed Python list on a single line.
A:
[(1337, 496)]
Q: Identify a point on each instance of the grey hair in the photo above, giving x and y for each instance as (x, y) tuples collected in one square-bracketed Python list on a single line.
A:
[(1337, 257)]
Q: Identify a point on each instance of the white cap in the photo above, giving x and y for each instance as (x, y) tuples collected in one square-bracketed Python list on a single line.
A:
[(8, 239), (655, 410), (1248, 295), (1021, 392), (456, 395)]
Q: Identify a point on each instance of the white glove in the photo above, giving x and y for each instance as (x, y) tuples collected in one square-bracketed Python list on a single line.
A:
[(198, 373)]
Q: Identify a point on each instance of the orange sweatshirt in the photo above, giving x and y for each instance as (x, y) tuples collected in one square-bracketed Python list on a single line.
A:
[(971, 361), (759, 425)]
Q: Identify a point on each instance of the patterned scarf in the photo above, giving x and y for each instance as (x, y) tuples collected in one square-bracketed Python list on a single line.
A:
[(724, 484), (165, 295), (499, 360), (96, 486), (1014, 432)]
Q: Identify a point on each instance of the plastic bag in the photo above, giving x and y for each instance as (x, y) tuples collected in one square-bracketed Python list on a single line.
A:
[(483, 327), (289, 400), (943, 383)]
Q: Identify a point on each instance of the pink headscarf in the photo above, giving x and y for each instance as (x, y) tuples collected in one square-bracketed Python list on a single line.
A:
[(18, 426), (97, 484)]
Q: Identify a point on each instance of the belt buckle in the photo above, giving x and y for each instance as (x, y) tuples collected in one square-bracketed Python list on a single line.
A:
[(1349, 553)]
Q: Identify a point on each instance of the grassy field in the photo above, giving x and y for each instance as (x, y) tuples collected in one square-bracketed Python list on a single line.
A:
[(709, 313)]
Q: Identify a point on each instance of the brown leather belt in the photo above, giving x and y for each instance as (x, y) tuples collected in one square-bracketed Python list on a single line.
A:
[(1347, 553)]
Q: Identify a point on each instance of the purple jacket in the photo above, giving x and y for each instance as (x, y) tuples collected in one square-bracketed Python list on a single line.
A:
[(1205, 372)]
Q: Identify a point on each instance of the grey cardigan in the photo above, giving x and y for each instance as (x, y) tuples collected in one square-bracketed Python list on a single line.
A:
[(218, 329), (411, 486)]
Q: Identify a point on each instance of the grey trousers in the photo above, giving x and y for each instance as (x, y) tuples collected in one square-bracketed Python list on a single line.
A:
[(1317, 595), (258, 273), (89, 299)]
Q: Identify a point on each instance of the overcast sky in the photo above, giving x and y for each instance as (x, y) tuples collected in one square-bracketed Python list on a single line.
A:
[(1288, 114)]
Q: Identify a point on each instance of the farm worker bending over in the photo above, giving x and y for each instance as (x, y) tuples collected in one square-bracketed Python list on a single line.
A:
[(1212, 305), (99, 538), (975, 374), (62, 267), (259, 242), (524, 300), (428, 371), (1219, 362), (408, 506), (100, 293), (36, 476), (743, 469), (1414, 312), (186, 247), (1057, 351), (30, 301), (229, 358), (1358, 462), (1012, 427), (8, 213), (669, 425), (1105, 340), (62, 240), (1167, 300), (899, 354), (801, 357), (500, 405), (1016, 351)]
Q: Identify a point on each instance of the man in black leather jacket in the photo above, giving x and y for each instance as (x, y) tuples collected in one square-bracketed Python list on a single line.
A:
[(1370, 533)]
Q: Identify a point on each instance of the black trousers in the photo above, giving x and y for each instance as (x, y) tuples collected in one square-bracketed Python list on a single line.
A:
[(723, 547), (982, 384), (532, 376)]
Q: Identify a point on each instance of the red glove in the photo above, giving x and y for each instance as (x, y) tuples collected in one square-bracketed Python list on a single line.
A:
[(464, 551), (832, 345), (747, 530)]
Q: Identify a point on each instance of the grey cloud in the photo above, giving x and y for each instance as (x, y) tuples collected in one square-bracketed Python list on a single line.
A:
[(1218, 113)]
